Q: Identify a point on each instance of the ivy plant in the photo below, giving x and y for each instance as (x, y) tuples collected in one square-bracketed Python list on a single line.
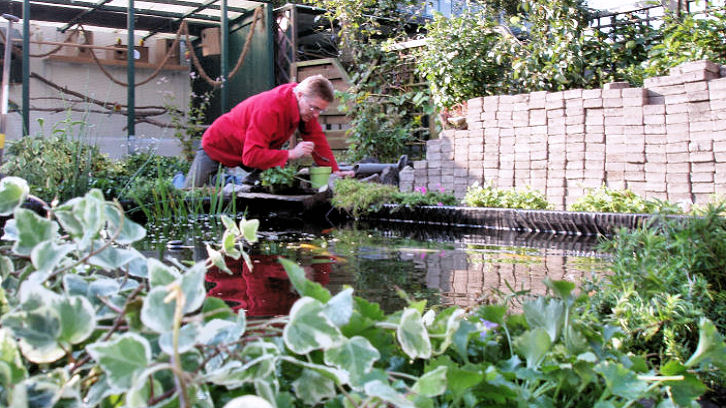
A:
[(90, 321)]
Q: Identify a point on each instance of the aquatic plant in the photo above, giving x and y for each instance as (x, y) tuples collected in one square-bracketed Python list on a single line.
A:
[(358, 197), (491, 197), (88, 320), (665, 278), (605, 199)]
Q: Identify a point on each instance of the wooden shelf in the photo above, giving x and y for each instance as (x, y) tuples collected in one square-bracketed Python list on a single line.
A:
[(117, 63)]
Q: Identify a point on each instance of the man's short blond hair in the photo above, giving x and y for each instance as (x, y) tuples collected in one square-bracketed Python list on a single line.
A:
[(317, 86)]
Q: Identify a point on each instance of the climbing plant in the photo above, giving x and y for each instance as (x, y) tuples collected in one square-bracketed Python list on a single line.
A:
[(387, 105)]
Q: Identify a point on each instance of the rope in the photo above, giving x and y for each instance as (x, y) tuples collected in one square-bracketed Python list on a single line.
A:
[(153, 74), (182, 28), (18, 51), (240, 60)]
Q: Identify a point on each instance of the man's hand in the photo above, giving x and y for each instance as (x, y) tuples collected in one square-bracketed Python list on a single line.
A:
[(301, 149), (344, 174)]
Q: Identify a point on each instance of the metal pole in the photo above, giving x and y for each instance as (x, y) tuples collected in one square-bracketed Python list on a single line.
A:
[(6, 80), (26, 67), (225, 48), (130, 72)]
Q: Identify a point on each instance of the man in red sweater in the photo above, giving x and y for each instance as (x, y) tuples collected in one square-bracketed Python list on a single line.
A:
[(251, 135)]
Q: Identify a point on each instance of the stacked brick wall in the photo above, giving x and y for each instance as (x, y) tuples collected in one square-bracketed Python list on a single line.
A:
[(666, 140)]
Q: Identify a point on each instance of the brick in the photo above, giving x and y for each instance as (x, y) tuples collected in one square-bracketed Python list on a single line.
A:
[(702, 188), (677, 118), (616, 86), (702, 177), (654, 129), (612, 102), (537, 117), (698, 66), (594, 93), (592, 103), (654, 110), (678, 168)]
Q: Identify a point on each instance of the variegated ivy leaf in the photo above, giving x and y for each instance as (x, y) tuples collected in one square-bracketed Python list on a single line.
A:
[(187, 338), (249, 229), (339, 309), (157, 314), (89, 211), (313, 388), (217, 259), (218, 331), (229, 245), (387, 393), (433, 383), (248, 401), (230, 225), (37, 331), (48, 255), (160, 274), (192, 284), (32, 229), (412, 335), (77, 319), (130, 231), (13, 192), (309, 328), (122, 359), (12, 365), (111, 258), (356, 356), (452, 325)]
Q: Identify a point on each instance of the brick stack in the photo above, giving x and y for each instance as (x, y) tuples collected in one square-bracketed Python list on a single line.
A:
[(665, 140)]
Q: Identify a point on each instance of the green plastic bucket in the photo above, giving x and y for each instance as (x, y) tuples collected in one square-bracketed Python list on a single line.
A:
[(319, 176)]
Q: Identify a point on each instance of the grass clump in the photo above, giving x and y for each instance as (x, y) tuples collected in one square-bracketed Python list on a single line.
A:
[(605, 199), (490, 197), (358, 198)]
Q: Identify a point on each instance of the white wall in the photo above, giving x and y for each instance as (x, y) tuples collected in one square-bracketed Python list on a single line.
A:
[(108, 130)]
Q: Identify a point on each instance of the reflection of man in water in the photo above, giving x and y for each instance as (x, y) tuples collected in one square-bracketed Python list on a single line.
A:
[(266, 291)]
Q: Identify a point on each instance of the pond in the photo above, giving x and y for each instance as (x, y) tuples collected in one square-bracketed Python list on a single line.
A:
[(445, 267)]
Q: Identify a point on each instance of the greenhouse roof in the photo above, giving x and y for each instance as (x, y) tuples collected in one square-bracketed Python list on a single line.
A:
[(153, 16)]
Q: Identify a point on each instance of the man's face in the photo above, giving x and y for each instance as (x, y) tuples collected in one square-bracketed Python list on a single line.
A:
[(311, 107)]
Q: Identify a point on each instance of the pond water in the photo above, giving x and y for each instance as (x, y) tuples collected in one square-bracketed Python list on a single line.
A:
[(445, 267)]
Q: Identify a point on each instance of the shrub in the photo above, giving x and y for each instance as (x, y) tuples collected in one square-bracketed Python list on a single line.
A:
[(488, 196), (59, 166)]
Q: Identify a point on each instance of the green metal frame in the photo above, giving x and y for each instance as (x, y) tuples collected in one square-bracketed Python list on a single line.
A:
[(258, 78)]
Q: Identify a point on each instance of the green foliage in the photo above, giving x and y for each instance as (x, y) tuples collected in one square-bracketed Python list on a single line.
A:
[(188, 125), (488, 196), (467, 69), (688, 38), (61, 165), (386, 102), (605, 199), (473, 54), (93, 322), (278, 177), (358, 198), (666, 278)]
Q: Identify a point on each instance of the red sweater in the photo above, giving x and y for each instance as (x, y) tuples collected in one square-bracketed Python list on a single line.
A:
[(253, 132)]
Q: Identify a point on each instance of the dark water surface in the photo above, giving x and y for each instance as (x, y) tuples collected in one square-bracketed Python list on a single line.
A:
[(446, 267)]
